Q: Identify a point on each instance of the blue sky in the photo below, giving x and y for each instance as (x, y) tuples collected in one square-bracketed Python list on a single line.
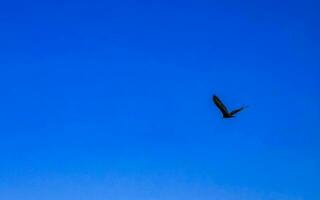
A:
[(112, 100)]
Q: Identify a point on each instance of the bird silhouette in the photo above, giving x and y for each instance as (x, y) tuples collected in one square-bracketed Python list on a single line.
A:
[(223, 108)]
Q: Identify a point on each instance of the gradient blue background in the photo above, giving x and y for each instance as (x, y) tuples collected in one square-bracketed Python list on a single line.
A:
[(112, 100)]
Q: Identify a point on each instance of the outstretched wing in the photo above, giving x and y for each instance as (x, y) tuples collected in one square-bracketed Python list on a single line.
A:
[(220, 105), (237, 110)]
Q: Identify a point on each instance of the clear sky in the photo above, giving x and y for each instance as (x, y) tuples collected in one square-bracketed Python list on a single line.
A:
[(112, 100)]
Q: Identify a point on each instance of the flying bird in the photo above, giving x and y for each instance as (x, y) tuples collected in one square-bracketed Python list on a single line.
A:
[(223, 108)]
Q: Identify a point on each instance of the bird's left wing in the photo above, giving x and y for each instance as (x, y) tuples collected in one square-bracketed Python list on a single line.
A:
[(220, 105)]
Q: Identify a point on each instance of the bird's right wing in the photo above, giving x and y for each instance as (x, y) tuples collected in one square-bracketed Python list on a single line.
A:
[(237, 110), (220, 105)]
